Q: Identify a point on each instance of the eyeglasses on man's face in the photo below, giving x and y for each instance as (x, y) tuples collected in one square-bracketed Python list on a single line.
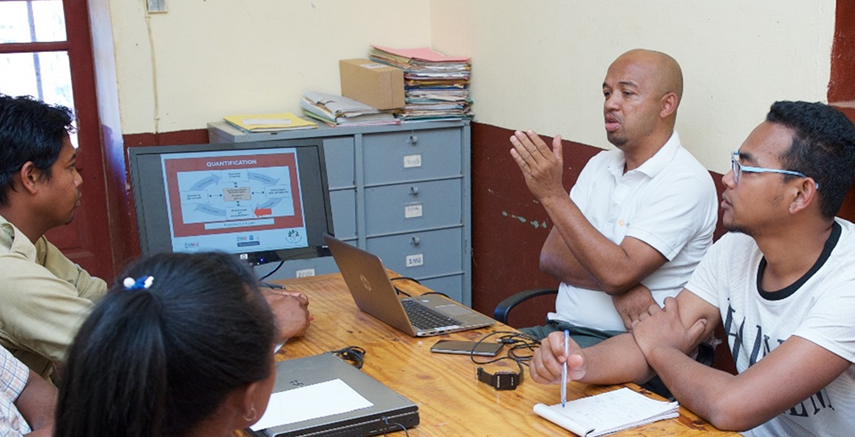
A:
[(738, 169)]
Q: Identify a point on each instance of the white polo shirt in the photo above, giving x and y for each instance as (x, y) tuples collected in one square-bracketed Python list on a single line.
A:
[(669, 202)]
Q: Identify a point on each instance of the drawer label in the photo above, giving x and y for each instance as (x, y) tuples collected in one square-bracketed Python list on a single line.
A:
[(304, 273), (413, 211), (411, 161), (415, 260)]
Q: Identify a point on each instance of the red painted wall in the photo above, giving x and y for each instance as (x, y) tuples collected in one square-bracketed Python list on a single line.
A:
[(841, 86), (508, 225)]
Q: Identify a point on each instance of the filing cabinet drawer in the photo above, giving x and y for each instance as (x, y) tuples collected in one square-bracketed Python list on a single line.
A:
[(451, 286), (344, 213), (420, 254), (404, 156), (301, 267), (338, 153), (416, 205)]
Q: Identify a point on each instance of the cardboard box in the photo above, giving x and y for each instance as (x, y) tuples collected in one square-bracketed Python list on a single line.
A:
[(372, 83)]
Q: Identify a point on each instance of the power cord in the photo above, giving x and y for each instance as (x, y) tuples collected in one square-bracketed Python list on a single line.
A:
[(270, 273), (521, 350), (435, 292), (406, 278), (389, 424)]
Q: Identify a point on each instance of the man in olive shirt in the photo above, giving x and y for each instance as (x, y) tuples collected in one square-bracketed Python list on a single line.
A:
[(44, 295)]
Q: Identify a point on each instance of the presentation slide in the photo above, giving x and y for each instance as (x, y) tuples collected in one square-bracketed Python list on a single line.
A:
[(234, 200)]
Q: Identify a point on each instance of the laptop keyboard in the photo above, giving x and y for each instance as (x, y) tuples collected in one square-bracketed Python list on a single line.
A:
[(423, 317)]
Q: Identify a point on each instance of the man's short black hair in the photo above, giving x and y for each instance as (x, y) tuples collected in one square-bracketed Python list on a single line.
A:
[(30, 130), (823, 148)]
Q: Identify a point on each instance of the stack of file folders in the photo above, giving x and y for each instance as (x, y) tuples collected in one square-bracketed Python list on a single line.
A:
[(341, 111), (436, 86)]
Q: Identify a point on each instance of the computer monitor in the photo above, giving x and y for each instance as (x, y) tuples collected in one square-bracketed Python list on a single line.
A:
[(263, 201)]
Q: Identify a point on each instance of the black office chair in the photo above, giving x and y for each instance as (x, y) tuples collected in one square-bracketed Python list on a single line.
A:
[(706, 352), (503, 309)]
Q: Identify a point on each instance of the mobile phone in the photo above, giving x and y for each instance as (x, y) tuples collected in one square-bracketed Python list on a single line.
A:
[(467, 347)]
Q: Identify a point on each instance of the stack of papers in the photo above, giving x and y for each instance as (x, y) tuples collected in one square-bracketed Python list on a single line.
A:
[(436, 87), (607, 413), (341, 111), (269, 122)]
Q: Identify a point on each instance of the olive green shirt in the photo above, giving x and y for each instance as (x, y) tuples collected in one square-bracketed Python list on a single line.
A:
[(44, 298)]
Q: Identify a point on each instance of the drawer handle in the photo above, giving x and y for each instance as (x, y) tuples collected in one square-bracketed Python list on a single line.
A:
[(414, 191), (413, 139), (416, 241)]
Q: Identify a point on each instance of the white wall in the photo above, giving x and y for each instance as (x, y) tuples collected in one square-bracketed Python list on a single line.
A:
[(540, 64), (536, 64), (207, 58)]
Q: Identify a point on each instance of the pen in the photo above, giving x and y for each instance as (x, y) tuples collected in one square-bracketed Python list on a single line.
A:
[(564, 369)]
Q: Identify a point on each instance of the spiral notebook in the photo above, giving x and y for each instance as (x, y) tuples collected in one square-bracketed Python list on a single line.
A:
[(607, 413)]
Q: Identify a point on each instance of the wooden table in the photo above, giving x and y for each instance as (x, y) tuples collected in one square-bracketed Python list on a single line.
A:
[(452, 402)]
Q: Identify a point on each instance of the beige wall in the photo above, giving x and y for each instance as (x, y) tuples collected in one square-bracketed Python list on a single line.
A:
[(540, 65), (536, 64), (207, 58)]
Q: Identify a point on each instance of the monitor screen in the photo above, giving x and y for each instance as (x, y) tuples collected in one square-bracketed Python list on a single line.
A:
[(264, 201)]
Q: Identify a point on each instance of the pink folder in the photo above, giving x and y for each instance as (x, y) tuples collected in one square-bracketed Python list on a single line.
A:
[(422, 54)]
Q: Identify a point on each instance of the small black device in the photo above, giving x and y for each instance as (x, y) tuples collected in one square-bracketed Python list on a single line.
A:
[(483, 348), (503, 380)]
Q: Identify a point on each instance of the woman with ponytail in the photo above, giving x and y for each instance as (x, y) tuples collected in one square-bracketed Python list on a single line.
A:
[(182, 346)]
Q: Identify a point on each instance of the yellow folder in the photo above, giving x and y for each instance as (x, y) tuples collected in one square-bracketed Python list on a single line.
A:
[(269, 122)]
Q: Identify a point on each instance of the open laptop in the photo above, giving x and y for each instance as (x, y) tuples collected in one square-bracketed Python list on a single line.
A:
[(322, 395), (373, 292)]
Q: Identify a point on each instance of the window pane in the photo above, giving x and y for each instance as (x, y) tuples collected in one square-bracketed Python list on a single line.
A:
[(31, 21), (45, 76)]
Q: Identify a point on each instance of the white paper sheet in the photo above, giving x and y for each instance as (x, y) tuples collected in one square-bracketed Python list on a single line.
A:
[(608, 412), (310, 402)]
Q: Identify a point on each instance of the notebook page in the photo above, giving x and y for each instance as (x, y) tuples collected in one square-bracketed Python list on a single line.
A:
[(560, 419), (608, 412)]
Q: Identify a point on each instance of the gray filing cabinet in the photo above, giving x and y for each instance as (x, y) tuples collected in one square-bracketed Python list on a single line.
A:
[(400, 192)]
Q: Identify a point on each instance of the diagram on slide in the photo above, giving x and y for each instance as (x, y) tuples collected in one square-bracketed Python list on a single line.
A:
[(238, 194), (239, 198)]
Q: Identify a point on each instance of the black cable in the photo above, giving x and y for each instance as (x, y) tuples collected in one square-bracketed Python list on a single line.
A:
[(388, 424), (435, 292), (518, 341), (272, 271), (406, 278)]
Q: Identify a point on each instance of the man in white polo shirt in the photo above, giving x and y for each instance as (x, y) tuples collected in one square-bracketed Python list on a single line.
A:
[(639, 217)]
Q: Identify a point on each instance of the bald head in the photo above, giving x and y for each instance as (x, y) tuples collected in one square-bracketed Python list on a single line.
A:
[(664, 71), (642, 91)]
